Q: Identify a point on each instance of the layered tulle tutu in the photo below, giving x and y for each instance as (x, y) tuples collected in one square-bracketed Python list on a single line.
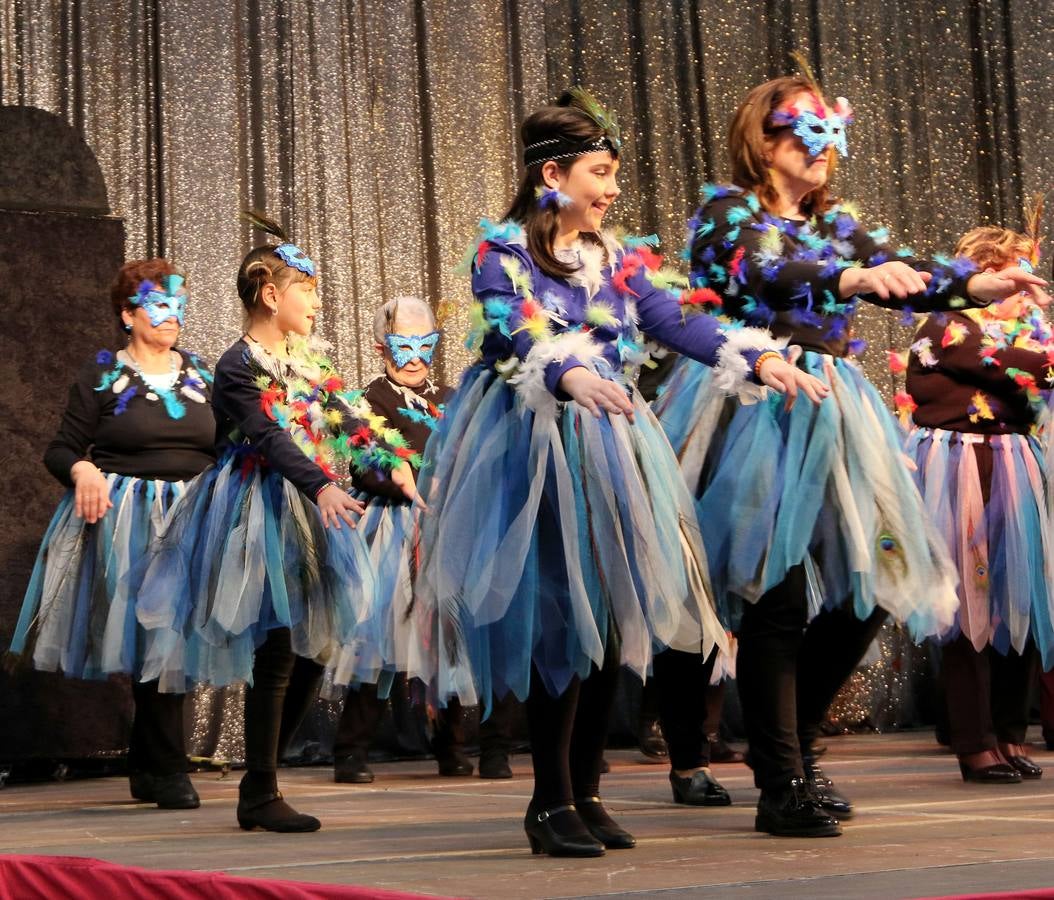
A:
[(546, 535), (1002, 544), (825, 486), (379, 647), (79, 615), (244, 553)]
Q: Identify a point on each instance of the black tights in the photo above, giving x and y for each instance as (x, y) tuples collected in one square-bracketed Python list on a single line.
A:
[(789, 674), (156, 744), (568, 734), (682, 692), (283, 689)]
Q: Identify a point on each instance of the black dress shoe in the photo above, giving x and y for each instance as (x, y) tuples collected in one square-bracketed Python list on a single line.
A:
[(167, 791), (794, 812), (605, 766), (720, 752), (560, 831), (824, 791), (999, 773), (701, 789), (602, 826), (271, 813), (1026, 767), (494, 765), (651, 742), (454, 764), (353, 769)]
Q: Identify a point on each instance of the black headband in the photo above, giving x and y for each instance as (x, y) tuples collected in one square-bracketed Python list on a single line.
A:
[(562, 148)]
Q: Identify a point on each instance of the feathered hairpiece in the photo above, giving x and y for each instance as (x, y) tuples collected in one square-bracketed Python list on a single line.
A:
[(286, 251), (593, 108), (1034, 223)]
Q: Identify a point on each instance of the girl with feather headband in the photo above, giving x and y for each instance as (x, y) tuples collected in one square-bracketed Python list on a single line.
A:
[(978, 380), (264, 545), (808, 508), (558, 537), (137, 427)]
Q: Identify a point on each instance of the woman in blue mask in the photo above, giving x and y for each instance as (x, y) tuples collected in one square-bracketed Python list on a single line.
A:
[(137, 426)]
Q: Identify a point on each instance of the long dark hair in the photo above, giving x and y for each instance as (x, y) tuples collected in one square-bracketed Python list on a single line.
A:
[(566, 120)]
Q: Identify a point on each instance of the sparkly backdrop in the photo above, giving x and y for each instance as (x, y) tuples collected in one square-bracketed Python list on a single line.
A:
[(380, 132)]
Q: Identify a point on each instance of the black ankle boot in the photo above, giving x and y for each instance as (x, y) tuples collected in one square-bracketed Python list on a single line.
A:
[(602, 826), (454, 764), (794, 812), (699, 789), (168, 791), (353, 769), (494, 764), (260, 805), (823, 789), (559, 831), (651, 742)]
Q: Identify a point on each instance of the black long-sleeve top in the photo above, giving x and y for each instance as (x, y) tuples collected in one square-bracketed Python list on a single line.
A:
[(297, 417), (117, 421), (414, 413), (784, 274), (969, 375)]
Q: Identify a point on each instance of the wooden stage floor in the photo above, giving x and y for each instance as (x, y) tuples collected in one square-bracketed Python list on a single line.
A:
[(919, 831)]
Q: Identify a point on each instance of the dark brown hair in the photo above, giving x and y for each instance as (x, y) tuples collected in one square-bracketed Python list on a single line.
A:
[(263, 266), (748, 136), (565, 120), (132, 274)]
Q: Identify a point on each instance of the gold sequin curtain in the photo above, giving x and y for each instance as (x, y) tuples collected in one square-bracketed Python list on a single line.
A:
[(379, 132)]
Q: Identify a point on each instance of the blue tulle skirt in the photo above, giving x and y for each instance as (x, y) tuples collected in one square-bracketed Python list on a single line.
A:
[(546, 536), (80, 612), (244, 553), (1001, 542), (379, 647), (826, 486)]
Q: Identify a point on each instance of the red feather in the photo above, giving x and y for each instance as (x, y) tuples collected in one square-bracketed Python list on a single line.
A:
[(481, 253)]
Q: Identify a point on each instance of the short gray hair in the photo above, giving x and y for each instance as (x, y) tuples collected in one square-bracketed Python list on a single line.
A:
[(384, 318)]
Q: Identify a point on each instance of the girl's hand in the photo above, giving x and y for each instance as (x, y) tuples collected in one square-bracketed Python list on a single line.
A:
[(780, 375), (334, 505), (890, 279), (403, 478), (595, 393), (91, 493), (993, 286)]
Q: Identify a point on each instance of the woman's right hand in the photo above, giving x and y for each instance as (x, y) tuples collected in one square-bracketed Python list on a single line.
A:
[(890, 279), (334, 505), (595, 393), (994, 286), (91, 493)]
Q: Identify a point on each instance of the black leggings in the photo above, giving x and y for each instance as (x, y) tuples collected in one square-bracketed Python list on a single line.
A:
[(789, 674), (682, 692), (568, 734), (283, 689), (157, 745)]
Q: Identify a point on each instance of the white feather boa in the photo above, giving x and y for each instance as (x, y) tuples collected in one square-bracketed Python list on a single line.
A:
[(529, 375), (731, 374)]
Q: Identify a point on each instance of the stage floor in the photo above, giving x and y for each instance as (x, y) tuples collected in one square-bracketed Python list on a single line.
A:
[(919, 831)]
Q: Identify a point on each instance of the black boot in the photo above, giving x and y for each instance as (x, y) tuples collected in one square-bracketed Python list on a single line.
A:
[(794, 812), (353, 769), (651, 742), (700, 789), (260, 805), (168, 791), (494, 764), (560, 831), (823, 789)]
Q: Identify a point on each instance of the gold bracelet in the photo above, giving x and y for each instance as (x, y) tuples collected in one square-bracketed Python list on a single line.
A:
[(761, 360)]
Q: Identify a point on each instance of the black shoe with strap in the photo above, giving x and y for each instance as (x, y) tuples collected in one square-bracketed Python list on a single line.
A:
[(602, 826), (823, 789), (794, 812), (267, 809), (560, 831)]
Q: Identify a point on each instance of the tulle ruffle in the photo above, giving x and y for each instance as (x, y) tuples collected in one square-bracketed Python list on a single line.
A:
[(244, 553), (79, 615), (827, 487), (1002, 543), (545, 536)]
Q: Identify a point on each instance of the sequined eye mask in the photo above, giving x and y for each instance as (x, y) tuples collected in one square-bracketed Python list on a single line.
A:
[(405, 348), (293, 256), (162, 302), (817, 127)]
